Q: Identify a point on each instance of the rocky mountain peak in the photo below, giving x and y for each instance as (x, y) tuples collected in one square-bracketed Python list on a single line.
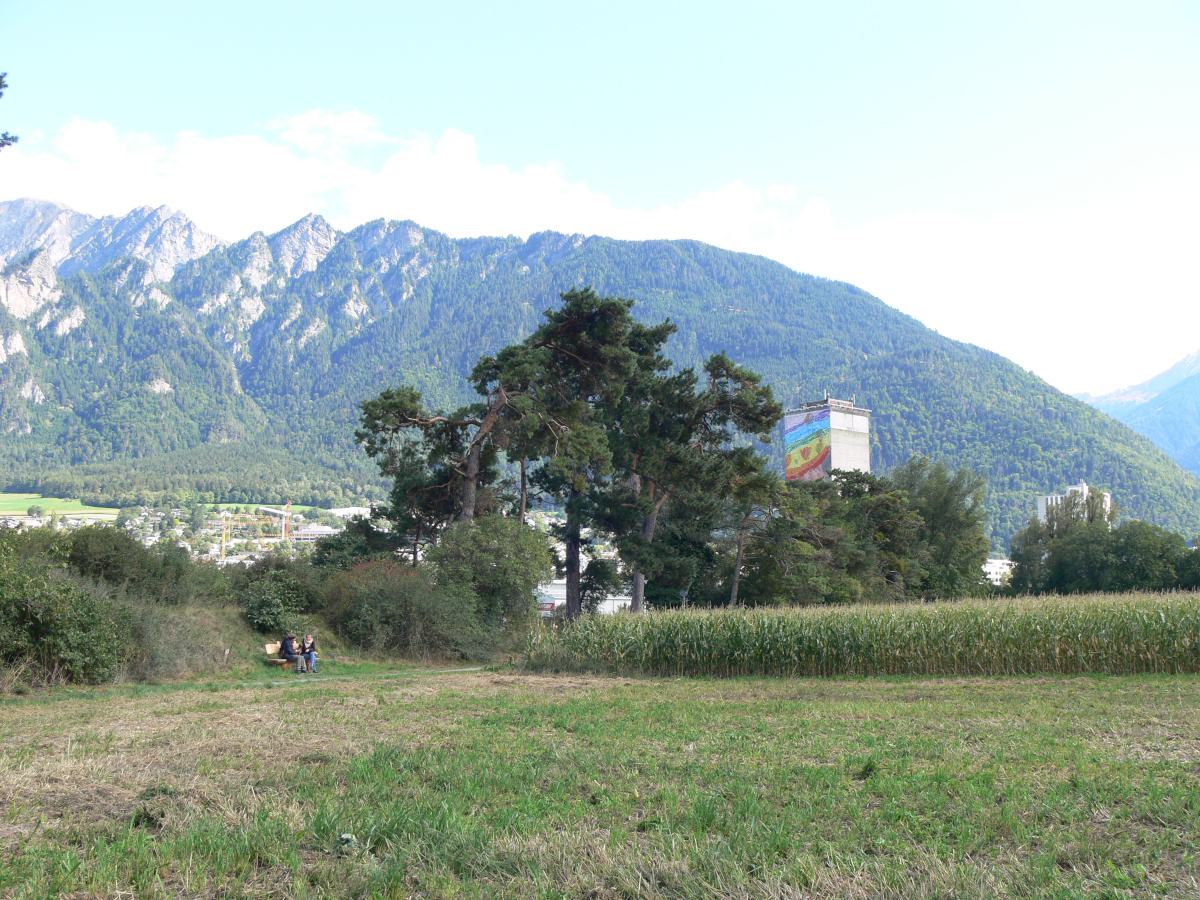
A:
[(547, 246), (26, 288), (163, 237), (300, 247), (27, 224)]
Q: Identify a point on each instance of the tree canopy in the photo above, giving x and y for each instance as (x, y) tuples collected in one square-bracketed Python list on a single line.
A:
[(590, 416)]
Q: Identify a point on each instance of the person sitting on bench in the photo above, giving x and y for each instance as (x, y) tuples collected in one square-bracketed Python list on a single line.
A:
[(308, 652), (289, 651)]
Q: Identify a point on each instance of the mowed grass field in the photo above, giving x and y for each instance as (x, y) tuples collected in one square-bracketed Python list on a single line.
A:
[(512, 785), (18, 505)]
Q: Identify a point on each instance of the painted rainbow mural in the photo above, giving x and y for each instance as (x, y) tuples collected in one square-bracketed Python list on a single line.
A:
[(806, 441)]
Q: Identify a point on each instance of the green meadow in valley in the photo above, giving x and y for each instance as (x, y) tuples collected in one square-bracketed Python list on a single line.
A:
[(524, 785), (19, 504)]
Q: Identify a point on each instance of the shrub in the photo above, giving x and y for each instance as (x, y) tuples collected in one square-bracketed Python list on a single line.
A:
[(109, 554), (382, 606), (58, 625), (163, 574), (501, 560), (273, 603), (302, 580), (359, 541)]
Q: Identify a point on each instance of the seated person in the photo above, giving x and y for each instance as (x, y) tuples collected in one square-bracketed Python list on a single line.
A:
[(308, 652), (289, 651)]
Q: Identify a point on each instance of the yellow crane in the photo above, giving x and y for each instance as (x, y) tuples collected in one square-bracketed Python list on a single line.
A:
[(285, 518), (225, 517)]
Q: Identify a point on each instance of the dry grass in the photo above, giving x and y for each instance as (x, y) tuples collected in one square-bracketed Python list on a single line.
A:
[(582, 786)]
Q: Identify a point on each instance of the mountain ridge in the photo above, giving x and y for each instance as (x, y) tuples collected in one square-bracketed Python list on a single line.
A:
[(268, 344), (1165, 408), (163, 237)]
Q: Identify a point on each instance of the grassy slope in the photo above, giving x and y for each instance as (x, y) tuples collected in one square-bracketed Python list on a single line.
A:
[(491, 785), (18, 504), (190, 642)]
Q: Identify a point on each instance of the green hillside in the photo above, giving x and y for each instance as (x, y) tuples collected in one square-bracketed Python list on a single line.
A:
[(266, 368)]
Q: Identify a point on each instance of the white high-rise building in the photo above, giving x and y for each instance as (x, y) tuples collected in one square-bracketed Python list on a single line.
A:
[(1050, 501), (824, 435)]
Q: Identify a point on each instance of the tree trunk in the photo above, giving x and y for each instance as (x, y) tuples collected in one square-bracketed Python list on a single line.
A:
[(471, 477), (416, 544), (471, 481), (574, 600), (737, 565), (524, 490), (637, 602)]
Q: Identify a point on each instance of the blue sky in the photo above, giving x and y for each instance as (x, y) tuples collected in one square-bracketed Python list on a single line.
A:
[(1024, 177)]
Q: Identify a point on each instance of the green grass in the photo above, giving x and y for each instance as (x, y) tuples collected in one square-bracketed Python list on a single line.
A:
[(534, 786), (187, 643), (1118, 634), (18, 504), (254, 506)]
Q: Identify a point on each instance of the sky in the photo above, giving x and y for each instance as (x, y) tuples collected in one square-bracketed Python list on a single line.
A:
[(1025, 177)]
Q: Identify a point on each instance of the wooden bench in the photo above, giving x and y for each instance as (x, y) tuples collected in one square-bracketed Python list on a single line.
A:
[(273, 657)]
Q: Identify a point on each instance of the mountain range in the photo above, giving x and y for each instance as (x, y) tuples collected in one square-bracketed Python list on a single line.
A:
[(1166, 409), (140, 354)]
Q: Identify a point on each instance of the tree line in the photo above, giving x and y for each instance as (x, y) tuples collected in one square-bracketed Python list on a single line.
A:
[(590, 416), (1079, 548)]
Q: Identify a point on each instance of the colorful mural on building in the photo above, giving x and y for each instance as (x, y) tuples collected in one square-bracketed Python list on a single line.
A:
[(806, 441)]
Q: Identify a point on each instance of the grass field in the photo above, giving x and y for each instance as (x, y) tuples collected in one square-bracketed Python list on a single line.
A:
[(253, 506), (506, 785), (18, 504)]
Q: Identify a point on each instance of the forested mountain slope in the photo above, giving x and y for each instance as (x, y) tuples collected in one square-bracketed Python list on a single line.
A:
[(267, 346), (1165, 409)]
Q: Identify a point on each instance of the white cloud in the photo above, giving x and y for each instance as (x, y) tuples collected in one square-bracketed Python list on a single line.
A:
[(1091, 298), (327, 133)]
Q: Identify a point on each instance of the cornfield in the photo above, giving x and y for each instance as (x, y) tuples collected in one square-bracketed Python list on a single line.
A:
[(1091, 634)]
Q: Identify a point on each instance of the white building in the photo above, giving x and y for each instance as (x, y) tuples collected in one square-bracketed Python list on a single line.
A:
[(997, 571), (554, 595), (1082, 490), (310, 534), (823, 435)]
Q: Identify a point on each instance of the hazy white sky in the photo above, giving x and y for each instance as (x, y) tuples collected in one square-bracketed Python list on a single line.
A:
[(1025, 178)]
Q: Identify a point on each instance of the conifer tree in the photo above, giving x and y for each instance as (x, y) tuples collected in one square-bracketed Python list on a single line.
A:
[(6, 139)]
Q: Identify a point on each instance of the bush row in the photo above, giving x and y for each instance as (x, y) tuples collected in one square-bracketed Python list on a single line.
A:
[(475, 586), (89, 604)]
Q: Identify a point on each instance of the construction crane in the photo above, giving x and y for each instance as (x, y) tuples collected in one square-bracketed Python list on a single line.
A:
[(285, 518), (225, 517)]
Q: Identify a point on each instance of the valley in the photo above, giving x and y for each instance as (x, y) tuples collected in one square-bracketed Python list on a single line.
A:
[(238, 378)]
